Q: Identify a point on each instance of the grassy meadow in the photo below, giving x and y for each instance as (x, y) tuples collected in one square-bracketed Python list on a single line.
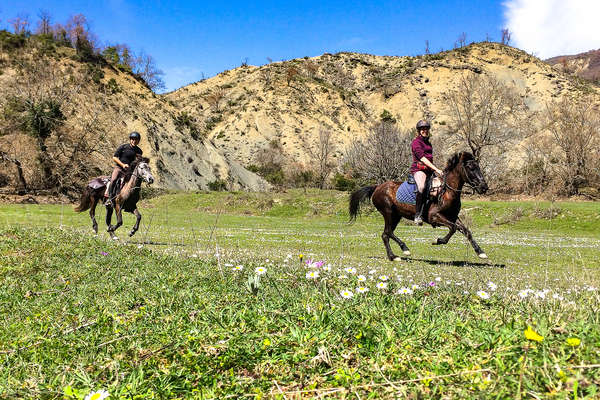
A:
[(275, 295)]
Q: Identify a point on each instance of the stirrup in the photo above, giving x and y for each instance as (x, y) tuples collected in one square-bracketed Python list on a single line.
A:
[(108, 202)]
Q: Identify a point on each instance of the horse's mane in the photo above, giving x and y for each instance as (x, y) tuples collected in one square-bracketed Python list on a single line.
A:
[(455, 159), (133, 166)]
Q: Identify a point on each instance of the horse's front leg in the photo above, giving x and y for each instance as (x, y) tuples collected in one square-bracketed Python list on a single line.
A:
[(110, 230), (453, 226), (463, 229), (138, 218), (446, 238)]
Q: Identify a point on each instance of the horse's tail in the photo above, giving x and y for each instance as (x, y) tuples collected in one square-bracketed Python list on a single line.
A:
[(359, 196), (85, 201)]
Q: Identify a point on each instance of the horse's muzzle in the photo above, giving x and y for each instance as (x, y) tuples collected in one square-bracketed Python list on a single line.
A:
[(482, 188), (150, 181)]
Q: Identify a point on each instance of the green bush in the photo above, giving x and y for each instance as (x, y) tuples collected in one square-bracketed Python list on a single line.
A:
[(218, 185), (343, 183), (10, 41), (113, 86)]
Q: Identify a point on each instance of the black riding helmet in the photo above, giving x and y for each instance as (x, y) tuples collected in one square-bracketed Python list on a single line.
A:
[(135, 135), (423, 124)]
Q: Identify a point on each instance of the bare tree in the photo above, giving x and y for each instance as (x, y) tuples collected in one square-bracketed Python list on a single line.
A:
[(321, 155), (574, 148), (383, 155), (215, 97), (291, 73), (427, 47), (266, 75), (21, 182), (20, 24), (462, 39), (311, 69), (485, 113), (44, 26), (505, 36), (146, 68)]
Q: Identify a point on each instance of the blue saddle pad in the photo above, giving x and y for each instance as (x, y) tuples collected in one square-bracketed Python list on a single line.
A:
[(406, 193)]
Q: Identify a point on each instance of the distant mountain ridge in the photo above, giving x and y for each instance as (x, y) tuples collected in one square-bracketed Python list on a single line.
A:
[(242, 110), (585, 65)]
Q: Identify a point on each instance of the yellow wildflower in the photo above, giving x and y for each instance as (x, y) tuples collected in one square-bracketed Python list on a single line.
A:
[(573, 341), (266, 342), (532, 335)]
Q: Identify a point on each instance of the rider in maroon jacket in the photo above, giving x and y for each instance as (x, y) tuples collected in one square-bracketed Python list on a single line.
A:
[(422, 165)]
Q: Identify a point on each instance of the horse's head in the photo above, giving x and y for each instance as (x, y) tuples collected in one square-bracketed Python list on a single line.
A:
[(472, 173), (142, 169)]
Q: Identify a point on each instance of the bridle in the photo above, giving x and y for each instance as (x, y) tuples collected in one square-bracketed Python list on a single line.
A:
[(467, 181)]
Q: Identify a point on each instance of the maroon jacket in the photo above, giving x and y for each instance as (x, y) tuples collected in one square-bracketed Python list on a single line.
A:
[(421, 147)]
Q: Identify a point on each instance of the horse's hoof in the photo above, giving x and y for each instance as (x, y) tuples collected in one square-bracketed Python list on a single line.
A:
[(482, 255), (406, 252), (396, 259)]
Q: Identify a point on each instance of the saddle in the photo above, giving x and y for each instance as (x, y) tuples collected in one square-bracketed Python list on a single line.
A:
[(407, 191), (433, 185)]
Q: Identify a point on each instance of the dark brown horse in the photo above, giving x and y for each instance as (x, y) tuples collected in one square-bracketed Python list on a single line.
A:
[(126, 200), (443, 210)]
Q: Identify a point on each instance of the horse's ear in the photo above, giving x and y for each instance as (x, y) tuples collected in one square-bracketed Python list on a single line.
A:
[(145, 159)]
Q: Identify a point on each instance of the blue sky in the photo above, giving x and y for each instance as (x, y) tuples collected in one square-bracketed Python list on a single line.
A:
[(191, 38)]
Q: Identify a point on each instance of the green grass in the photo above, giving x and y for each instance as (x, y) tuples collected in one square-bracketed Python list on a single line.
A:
[(165, 315)]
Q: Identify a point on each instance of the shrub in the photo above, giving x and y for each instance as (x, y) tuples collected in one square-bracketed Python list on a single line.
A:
[(218, 185), (343, 183), (113, 86)]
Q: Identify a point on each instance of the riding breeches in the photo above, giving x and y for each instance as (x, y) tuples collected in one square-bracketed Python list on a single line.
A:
[(420, 179)]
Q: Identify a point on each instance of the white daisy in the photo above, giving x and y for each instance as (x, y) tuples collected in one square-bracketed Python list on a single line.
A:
[(312, 274), (382, 285), (362, 289), (361, 278), (492, 286), (346, 294), (483, 295), (383, 277), (405, 290), (99, 395), (260, 270), (350, 270)]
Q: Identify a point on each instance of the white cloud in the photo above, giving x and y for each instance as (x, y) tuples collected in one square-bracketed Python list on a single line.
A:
[(549, 28)]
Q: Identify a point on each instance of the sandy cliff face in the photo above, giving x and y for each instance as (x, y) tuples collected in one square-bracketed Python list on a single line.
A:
[(242, 110)]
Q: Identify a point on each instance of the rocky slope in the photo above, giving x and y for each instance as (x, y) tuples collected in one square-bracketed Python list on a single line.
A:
[(100, 105), (585, 65), (244, 109)]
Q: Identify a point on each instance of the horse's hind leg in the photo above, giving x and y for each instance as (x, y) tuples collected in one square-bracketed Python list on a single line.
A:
[(388, 232), (138, 218), (402, 245), (93, 215)]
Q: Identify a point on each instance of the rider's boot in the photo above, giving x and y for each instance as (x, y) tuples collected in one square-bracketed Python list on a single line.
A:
[(419, 209)]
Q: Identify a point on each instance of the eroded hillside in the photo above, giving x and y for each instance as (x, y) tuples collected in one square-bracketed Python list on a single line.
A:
[(244, 109), (95, 106)]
